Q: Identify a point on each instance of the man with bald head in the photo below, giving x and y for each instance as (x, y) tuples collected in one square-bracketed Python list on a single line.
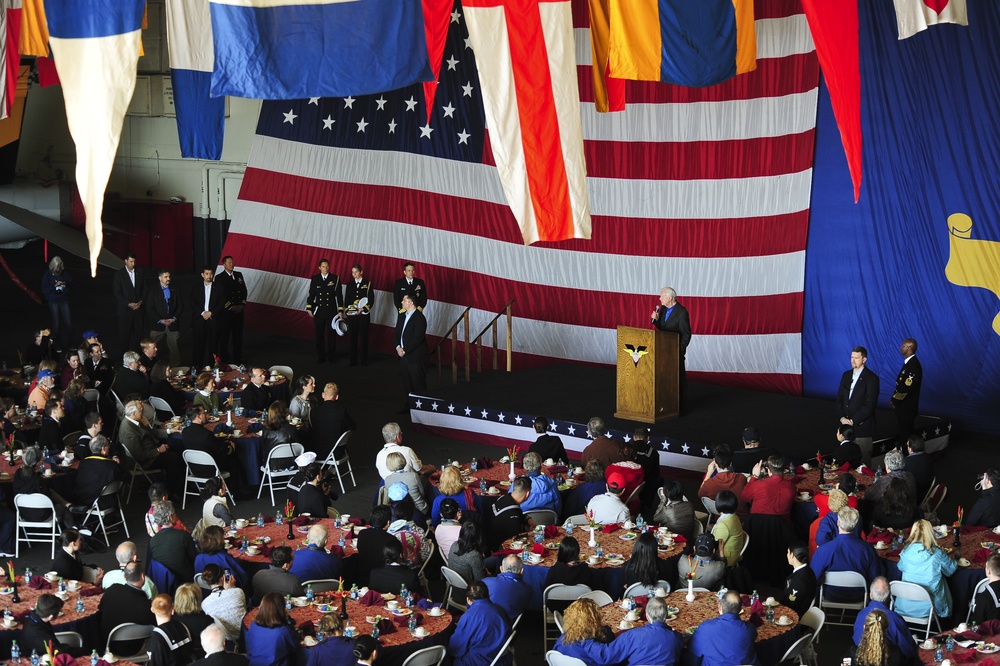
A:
[(670, 315), (906, 398)]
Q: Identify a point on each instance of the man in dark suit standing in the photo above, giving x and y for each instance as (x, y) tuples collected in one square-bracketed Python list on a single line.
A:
[(325, 301), (233, 292), (330, 420), (130, 293), (411, 345), (206, 302), (413, 286), (670, 315), (856, 402), (906, 399), (165, 308), (358, 313)]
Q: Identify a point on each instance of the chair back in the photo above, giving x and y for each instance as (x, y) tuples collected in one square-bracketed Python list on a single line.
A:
[(938, 494), (70, 638), (342, 441), (634, 495), (814, 619), (746, 542), (454, 578), (70, 439), (640, 590), (129, 631), (553, 658), (599, 597), (284, 370), (34, 501), (542, 516), (161, 576), (283, 452), (913, 592), (795, 649), (431, 656), (504, 649), (195, 457), (161, 405), (322, 584), (709, 505), (560, 592)]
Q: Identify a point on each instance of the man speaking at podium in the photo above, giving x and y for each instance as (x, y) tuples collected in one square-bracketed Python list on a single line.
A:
[(670, 315)]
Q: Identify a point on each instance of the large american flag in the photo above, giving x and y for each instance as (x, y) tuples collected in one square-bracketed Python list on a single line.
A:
[(705, 190)]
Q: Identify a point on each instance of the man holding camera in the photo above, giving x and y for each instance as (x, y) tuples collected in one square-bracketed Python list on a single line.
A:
[(768, 492)]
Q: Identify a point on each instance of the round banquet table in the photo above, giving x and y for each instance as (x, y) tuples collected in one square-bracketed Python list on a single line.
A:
[(961, 655), (87, 623), (497, 477), (805, 512), (773, 639), (607, 577), (963, 582), (278, 534), (80, 661), (61, 480), (231, 383), (396, 647)]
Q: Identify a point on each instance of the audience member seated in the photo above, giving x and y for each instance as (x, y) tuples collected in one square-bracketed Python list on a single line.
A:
[(302, 401), (313, 562), (704, 562), (205, 396), (172, 547), (568, 570), (392, 435), (40, 349), (546, 445), (508, 589), (675, 511), (894, 468), (847, 451), (75, 407), (593, 484), (99, 370), (330, 420), (28, 479), (800, 586), (603, 447), (271, 638), (752, 452), (897, 508), (874, 648), (213, 643), (160, 387), (652, 643), (125, 603), (768, 492), (727, 639), (720, 476), (728, 529), (92, 427), (416, 545), (148, 353), (414, 484), (633, 474), (40, 394), (9, 409), (466, 555), (898, 633), (918, 464), (257, 394), (299, 478), (277, 577), (544, 491), (505, 518), (608, 508), (136, 435), (336, 649), (196, 437), (371, 542), (157, 493), (827, 529), (447, 531), (986, 510), (50, 435), (67, 562), (226, 602), (170, 644), (277, 430), (37, 634), (188, 611), (450, 486), (923, 562), (987, 602), (585, 636), (73, 369), (645, 565), (212, 550), (847, 552), (95, 472), (848, 485), (481, 630), (366, 649), (648, 456), (215, 507), (316, 495), (394, 572), (126, 554), (129, 380)]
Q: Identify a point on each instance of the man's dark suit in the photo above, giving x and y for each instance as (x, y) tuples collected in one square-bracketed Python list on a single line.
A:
[(745, 459), (102, 372), (800, 590), (549, 446), (677, 320), (233, 291), (919, 465), (197, 437), (130, 381), (906, 399), (160, 308), (95, 472), (413, 339), (256, 397), (222, 659), (417, 291), (324, 302), (329, 421), (120, 604), (131, 323), (357, 325), (859, 406), (204, 332), (173, 548), (370, 544)]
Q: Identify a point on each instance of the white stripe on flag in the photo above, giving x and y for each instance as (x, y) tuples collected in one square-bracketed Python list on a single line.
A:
[(913, 16), (189, 35)]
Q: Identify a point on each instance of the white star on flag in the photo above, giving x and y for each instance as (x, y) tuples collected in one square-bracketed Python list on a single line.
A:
[(425, 131), (467, 89), (666, 445), (455, 15), (362, 125), (704, 450), (552, 427), (392, 126), (468, 411), (434, 406), (451, 409), (314, 100), (328, 122), (501, 417), (451, 62), (411, 104), (627, 439), (485, 413), (517, 419), (348, 102), (419, 404), (468, 43), (571, 430), (463, 137), (290, 117), (381, 103), (449, 111), (684, 448)]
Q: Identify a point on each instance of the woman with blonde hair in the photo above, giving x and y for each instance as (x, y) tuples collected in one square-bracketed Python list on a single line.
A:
[(923, 562), (451, 486), (583, 632), (336, 649), (874, 648), (188, 611), (828, 526)]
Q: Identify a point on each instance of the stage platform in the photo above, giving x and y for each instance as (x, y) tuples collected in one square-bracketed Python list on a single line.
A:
[(499, 408)]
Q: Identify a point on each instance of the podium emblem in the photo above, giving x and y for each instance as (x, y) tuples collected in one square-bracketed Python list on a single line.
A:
[(636, 352)]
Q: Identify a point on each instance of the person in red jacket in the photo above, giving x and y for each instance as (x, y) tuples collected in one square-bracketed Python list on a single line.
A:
[(768, 491)]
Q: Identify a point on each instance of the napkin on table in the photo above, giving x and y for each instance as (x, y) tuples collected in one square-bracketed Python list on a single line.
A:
[(484, 463), (879, 535), (265, 550), (537, 549), (981, 556), (307, 628), (867, 472), (972, 529), (551, 531), (38, 583), (506, 551), (91, 591), (846, 467), (255, 427), (680, 538), (64, 659), (223, 428), (610, 528), (337, 551), (386, 626), (404, 620), (371, 598), (299, 521), (558, 469), (968, 636), (427, 604), (969, 657), (359, 522)]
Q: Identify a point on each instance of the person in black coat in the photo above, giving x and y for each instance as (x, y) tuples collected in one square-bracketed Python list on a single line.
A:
[(371, 542), (326, 299), (857, 399), (99, 371), (277, 431), (37, 632), (67, 562), (670, 315), (172, 546), (547, 446), (196, 437), (257, 394), (393, 574), (919, 465), (411, 346), (50, 436), (330, 420), (206, 305), (847, 450), (165, 306), (233, 295), (906, 398), (986, 510), (408, 285), (358, 315), (213, 642), (131, 378), (800, 585), (129, 287), (126, 603), (96, 471), (568, 570), (315, 495)]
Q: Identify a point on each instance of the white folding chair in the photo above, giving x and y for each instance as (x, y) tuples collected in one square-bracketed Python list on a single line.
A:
[(70, 639), (202, 459), (557, 592), (640, 590), (599, 597), (138, 470), (119, 408), (558, 619), (455, 583), (283, 370), (161, 405), (322, 584), (843, 579), (980, 586), (794, 650), (746, 543), (507, 648), (553, 658), (912, 592), (542, 516), (699, 529), (930, 489), (432, 656), (110, 490), (813, 619), (579, 519), (268, 472), (713, 512), (35, 531), (937, 495), (338, 456), (92, 396), (129, 631), (634, 495)]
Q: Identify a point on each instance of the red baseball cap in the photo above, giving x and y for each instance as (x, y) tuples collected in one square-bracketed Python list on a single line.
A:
[(616, 481)]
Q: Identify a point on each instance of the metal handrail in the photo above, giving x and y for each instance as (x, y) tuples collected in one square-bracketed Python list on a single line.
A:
[(453, 335), (492, 325)]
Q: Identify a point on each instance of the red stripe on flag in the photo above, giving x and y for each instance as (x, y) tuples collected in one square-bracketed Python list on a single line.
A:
[(762, 9), (725, 237)]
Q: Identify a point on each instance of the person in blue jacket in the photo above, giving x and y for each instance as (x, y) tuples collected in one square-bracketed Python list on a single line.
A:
[(651, 643), (271, 639), (845, 553), (724, 640), (313, 562), (481, 631), (923, 562), (544, 491), (584, 635), (898, 632), (508, 589)]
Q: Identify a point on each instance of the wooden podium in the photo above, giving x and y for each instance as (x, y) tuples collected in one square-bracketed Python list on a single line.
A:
[(648, 374)]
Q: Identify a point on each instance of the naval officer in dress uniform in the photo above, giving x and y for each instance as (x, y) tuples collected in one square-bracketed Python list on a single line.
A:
[(325, 301)]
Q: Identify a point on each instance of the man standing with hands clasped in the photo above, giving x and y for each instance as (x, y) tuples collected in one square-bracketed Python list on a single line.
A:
[(906, 398), (411, 345), (359, 299), (413, 286), (856, 402), (325, 301)]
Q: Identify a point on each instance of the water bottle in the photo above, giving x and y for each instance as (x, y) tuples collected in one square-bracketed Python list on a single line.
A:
[(310, 595), (402, 591), (288, 602), (375, 631), (524, 555), (342, 542), (79, 605), (260, 520), (232, 525), (949, 643), (62, 585), (15, 652), (336, 522), (938, 653), (600, 550), (27, 574), (409, 600), (94, 658), (320, 636), (413, 623), (569, 528), (349, 632), (278, 519), (754, 597), (474, 465), (631, 603), (354, 592), (482, 486), (539, 534), (34, 658), (215, 411), (769, 615)]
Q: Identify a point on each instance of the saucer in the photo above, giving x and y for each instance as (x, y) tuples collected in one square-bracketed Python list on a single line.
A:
[(783, 624)]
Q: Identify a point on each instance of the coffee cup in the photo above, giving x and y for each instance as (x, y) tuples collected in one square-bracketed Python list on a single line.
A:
[(784, 620), (73, 585), (237, 433), (493, 490), (804, 495), (946, 662), (571, 481), (392, 605), (806, 466), (48, 471), (420, 631), (928, 644), (628, 524), (625, 604), (632, 616), (51, 576), (962, 627), (517, 545), (578, 470), (9, 621), (436, 612), (771, 601), (660, 592), (535, 558), (550, 461), (344, 517), (242, 522), (253, 550), (593, 559), (624, 625)]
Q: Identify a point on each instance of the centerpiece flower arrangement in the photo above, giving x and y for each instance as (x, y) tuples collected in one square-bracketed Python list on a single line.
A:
[(957, 527), (593, 525), (289, 511), (512, 458), (690, 576)]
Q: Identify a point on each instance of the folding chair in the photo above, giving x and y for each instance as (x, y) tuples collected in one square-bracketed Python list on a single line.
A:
[(455, 583), (843, 579), (119, 408), (95, 509), (557, 592), (542, 516), (432, 656), (202, 459), (640, 590), (746, 542), (930, 489), (129, 631), (813, 619), (70, 639), (161, 405), (553, 658), (283, 370), (938, 493), (794, 650), (138, 470), (338, 456), (713, 512), (599, 597), (508, 647), (634, 495), (35, 531), (421, 576), (69, 441), (270, 473), (322, 584), (913, 592)]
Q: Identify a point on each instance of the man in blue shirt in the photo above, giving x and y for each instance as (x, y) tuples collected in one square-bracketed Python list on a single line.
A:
[(313, 562), (899, 632), (508, 590), (724, 640), (544, 491), (481, 631), (652, 643), (845, 553)]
